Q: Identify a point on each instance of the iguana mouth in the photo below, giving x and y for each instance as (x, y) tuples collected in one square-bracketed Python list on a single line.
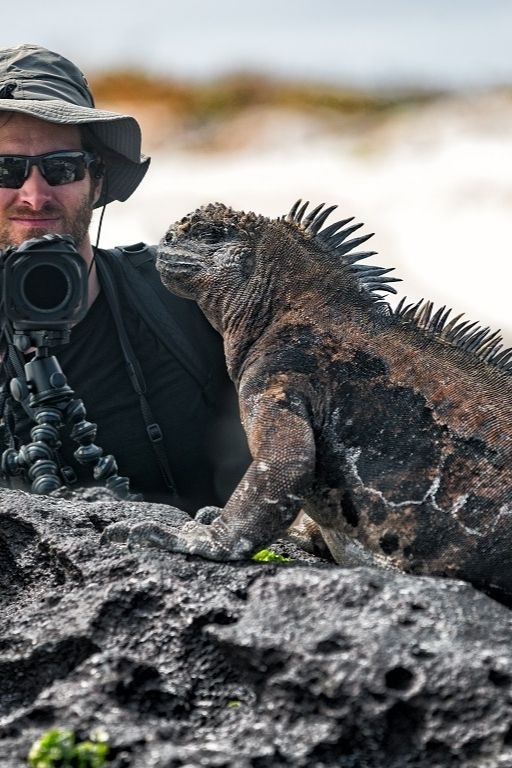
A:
[(181, 263), (175, 271), (178, 263)]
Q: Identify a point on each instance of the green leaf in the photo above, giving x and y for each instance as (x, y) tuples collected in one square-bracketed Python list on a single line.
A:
[(90, 754), (55, 745), (57, 749), (269, 556)]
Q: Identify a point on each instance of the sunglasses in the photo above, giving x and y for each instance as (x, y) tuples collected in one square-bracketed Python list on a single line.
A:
[(57, 168)]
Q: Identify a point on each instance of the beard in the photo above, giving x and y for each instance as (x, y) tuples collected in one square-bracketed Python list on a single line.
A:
[(75, 223)]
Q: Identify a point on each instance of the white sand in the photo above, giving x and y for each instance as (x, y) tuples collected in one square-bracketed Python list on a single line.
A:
[(435, 185)]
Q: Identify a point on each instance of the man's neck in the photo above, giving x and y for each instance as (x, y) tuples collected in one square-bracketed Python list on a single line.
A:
[(86, 251)]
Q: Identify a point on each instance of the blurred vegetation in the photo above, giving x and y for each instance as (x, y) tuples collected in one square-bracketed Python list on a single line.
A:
[(231, 112), (227, 96)]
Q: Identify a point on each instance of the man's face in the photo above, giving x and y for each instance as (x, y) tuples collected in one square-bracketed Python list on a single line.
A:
[(37, 208)]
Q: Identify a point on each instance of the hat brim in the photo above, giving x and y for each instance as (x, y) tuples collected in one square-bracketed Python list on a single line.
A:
[(125, 169)]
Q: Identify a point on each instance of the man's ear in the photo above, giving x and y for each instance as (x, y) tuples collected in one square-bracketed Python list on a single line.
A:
[(98, 170), (98, 190), (98, 178)]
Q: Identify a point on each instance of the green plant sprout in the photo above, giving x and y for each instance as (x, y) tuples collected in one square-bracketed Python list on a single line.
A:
[(269, 556), (57, 748)]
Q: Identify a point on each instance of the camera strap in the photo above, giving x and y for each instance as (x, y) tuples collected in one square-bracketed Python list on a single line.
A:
[(136, 376), (170, 318)]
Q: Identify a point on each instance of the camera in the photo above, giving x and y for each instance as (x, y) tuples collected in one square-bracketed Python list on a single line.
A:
[(43, 284)]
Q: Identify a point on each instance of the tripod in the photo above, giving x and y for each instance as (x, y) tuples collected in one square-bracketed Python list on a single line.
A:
[(53, 404)]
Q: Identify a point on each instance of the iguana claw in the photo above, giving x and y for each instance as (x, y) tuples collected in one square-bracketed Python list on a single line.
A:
[(192, 538), (146, 534), (206, 515), (116, 533), (155, 535)]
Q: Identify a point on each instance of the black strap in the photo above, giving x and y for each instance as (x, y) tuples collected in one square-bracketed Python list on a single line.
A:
[(136, 376), (145, 290)]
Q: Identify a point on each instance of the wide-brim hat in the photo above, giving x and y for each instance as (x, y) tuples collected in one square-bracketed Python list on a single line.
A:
[(44, 84)]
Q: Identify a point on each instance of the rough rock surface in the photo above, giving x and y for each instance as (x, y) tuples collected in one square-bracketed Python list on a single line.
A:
[(187, 662)]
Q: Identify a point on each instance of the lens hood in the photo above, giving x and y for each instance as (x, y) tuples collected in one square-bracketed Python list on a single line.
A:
[(44, 284)]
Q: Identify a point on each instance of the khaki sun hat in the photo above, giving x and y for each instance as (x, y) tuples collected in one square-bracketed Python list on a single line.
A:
[(43, 84)]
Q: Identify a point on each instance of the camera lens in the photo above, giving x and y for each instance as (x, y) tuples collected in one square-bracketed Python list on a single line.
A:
[(45, 287), (44, 284)]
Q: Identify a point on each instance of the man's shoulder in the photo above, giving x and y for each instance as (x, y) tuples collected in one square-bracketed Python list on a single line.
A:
[(134, 267), (178, 322), (137, 254)]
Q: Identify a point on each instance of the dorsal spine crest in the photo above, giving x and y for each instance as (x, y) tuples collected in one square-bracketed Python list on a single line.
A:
[(483, 343)]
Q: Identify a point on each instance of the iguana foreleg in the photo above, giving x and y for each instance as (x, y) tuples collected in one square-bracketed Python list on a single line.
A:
[(263, 505)]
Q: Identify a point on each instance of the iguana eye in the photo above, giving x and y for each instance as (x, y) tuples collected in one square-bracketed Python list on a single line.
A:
[(170, 237), (212, 234)]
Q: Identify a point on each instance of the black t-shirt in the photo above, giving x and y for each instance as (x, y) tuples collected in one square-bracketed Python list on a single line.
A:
[(206, 454)]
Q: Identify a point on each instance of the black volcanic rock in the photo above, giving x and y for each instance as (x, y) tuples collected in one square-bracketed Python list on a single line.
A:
[(186, 662)]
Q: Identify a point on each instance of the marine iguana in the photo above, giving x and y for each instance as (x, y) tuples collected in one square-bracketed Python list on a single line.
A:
[(391, 428)]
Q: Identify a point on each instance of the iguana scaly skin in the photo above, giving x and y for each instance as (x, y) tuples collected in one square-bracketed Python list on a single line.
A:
[(392, 429)]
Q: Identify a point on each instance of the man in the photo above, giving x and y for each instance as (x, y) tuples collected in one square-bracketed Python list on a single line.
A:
[(158, 390)]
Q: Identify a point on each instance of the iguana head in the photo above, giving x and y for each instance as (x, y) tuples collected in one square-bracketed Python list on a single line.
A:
[(209, 256), (237, 264)]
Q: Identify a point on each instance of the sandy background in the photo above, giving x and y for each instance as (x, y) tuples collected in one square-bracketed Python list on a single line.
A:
[(433, 182)]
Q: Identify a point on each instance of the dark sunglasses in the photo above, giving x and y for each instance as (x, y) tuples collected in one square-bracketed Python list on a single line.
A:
[(57, 168)]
